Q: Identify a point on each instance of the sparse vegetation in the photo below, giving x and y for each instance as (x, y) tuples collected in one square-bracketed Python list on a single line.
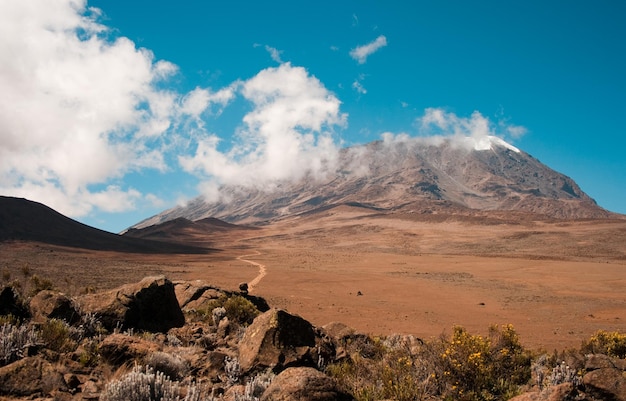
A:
[(146, 384)]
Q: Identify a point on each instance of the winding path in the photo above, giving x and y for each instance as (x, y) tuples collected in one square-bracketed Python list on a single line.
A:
[(262, 269)]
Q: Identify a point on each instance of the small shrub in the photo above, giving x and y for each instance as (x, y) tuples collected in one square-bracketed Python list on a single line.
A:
[(607, 343), (9, 319), (238, 309), (144, 384), (26, 270), (90, 354), (563, 373), (232, 370), (14, 341), (174, 341), (256, 386), (389, 374), (90, 325), (171, 365), (218, 314), (39, 284), (56, 335), (6, 275)]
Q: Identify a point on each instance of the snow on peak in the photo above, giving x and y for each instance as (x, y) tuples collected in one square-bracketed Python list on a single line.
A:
[(488, 141)]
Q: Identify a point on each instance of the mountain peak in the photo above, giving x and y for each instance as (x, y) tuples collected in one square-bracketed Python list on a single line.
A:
[(449, 175), (488, 142)]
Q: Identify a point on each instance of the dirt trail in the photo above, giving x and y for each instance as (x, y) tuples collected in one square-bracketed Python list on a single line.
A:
[(262, 269)]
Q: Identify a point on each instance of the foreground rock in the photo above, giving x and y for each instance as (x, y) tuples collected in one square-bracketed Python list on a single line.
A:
[(605, 377), (277, 340), (149, 305), (304, 384)]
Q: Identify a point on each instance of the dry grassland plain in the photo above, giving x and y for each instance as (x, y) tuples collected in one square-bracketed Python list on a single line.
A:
[(557, 282)]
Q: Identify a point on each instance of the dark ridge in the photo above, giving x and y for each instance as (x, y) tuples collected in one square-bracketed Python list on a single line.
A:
[(25, 220)]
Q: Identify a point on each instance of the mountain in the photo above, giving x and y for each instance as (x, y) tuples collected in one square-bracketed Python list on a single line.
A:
[(416, 175), (25, 220)]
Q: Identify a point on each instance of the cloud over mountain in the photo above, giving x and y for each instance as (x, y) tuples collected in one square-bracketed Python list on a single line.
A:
[(288, 133), (82, 108)]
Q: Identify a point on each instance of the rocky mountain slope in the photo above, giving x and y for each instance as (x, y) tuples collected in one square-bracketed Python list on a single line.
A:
[(410, 175)]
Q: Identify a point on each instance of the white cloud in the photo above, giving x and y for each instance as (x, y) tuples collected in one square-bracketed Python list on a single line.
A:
[(361, 53), (79, 109), (357, 86), (274, 53), (199, 100), (475, 132), (286, 135)]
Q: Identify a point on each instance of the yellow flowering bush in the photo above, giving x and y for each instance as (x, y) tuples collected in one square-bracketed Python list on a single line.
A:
[(608, 343), (462, 367), (473, 367)]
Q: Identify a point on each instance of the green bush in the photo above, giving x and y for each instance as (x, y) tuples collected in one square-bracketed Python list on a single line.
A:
[(56, 335), (238, 309)]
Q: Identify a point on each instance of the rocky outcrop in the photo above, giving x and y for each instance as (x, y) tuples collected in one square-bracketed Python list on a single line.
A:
[(54, 305), (277, 340), (304, 384), (149, 305)]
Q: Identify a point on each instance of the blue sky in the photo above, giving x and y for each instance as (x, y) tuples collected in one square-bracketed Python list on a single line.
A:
[(112, 110)]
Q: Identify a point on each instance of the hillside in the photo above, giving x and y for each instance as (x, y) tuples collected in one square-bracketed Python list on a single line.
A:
[(25, 220), (185, 231), (412, 176)]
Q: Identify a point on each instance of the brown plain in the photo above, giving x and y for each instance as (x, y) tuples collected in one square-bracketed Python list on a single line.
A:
[(556, 281)]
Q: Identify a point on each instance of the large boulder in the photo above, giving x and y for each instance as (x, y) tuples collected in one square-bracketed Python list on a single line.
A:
[(277, 340), (304, 384), (149, 305), (54, 305)]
